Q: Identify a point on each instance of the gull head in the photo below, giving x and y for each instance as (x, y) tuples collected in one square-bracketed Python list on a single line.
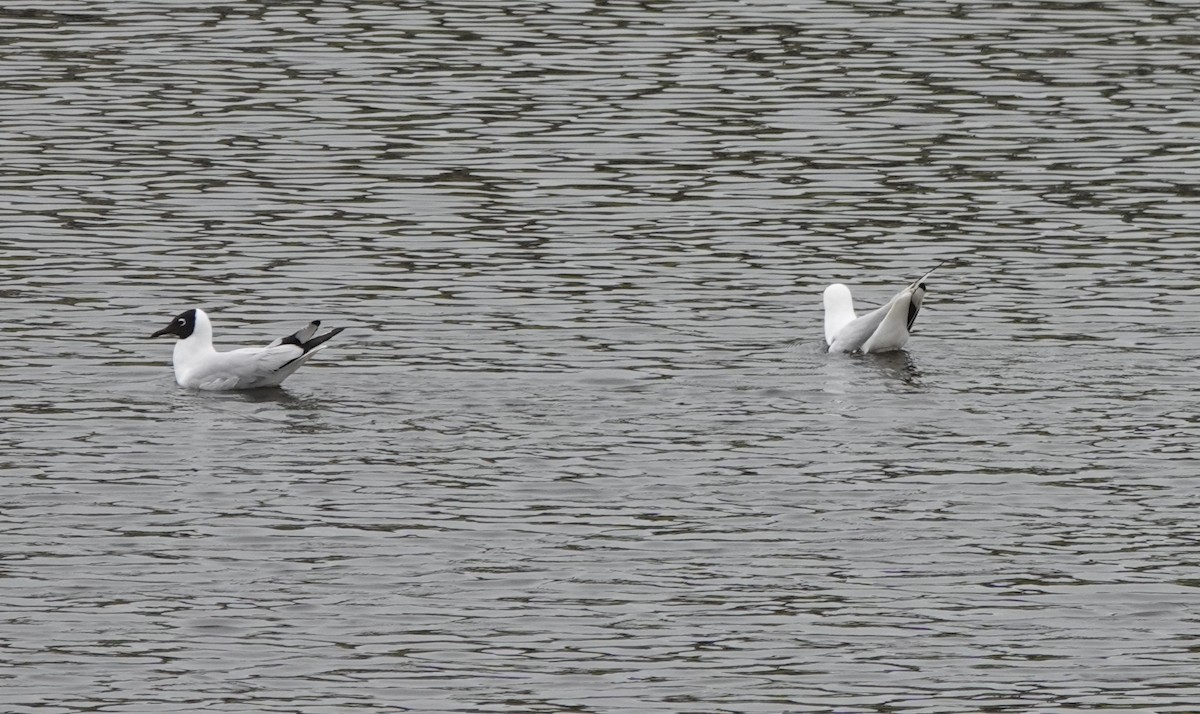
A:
[(182, 326)]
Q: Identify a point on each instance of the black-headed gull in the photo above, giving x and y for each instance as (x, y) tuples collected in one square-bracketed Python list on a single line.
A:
[(881, 330), (199, 366)]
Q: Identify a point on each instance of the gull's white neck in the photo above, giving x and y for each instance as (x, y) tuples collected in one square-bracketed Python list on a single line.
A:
[(839, 310)]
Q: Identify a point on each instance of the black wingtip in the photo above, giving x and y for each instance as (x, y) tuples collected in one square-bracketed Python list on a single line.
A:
[(320, 340), (921, 280)]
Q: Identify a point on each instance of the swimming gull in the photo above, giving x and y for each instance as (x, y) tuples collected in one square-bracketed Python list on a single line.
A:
[(199, 366)]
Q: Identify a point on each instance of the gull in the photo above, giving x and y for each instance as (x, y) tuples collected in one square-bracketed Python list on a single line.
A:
[(881, 330), (199, 366)]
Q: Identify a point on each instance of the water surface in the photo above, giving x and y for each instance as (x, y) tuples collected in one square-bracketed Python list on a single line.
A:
[(580, 448)]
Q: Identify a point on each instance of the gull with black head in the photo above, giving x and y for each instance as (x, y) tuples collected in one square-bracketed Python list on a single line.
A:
[(198, 365)]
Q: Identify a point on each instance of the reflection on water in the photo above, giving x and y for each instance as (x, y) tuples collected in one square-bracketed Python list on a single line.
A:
[(896, 365), (582, 449)]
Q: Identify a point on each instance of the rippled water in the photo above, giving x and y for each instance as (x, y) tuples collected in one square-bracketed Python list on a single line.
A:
[(580, 448)]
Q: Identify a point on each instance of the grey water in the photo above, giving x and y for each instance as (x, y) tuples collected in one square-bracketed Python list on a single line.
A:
[(580, 448)]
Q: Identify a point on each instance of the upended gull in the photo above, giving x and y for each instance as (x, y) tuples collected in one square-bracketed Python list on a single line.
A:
[(199, 366), (881, 330)]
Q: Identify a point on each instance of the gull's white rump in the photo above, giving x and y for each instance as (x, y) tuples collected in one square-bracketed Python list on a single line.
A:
[(882, 330), (198, 365)]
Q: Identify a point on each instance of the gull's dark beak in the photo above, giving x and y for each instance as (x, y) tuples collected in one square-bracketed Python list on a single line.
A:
[(168, 330)]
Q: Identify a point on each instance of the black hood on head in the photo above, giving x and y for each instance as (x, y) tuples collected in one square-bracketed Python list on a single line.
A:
[(182, 326)]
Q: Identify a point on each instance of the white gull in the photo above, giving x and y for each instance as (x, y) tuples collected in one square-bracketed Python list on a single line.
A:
[(882, 330)]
